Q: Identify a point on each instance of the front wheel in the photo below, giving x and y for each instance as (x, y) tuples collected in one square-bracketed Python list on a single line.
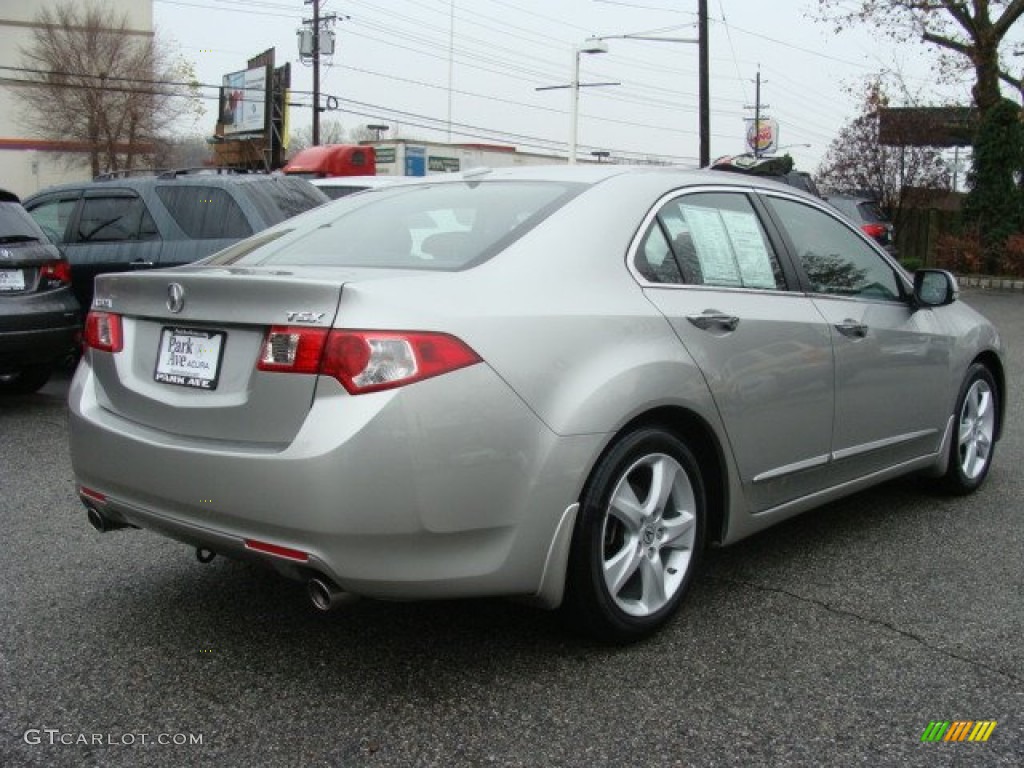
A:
[(974, 441), (638, 537)]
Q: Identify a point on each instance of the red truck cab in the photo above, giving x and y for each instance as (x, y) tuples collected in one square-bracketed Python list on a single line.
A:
[(333, 160)]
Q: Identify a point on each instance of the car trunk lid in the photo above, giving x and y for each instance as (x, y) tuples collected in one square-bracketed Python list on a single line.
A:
[(192, 339)]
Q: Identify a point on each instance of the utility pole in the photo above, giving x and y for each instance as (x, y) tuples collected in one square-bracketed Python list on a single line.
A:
[(315, 25), (704, 90), (316, 70), (757, 107)]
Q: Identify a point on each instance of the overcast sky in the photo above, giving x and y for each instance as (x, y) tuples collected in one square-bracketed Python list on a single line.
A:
[(408, 62)]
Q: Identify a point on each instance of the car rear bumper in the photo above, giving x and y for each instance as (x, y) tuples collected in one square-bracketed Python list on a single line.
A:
[(38, 328), (406, 494), (37, 347)]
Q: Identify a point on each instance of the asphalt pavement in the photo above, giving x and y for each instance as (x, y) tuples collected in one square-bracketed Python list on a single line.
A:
[(833, 639)]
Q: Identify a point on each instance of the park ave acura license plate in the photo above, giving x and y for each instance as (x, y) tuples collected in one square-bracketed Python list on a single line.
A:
[(189, 357)]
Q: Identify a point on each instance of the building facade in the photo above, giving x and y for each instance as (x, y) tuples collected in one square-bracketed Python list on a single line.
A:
[(29, 163)]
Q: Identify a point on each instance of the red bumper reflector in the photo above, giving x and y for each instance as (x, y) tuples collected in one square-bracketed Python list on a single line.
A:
[(89, 493), (276, 549)]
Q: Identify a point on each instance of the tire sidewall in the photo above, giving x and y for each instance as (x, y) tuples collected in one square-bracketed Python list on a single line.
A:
[(587, 591), (956, 480)]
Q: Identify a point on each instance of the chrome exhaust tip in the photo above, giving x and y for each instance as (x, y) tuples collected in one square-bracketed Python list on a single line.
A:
[(96, 519), (326, 596), (101, 522)]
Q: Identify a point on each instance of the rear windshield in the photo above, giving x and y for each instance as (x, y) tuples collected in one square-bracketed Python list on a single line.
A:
[(444, 226), (279, 197), (17, 226), (871, 213)]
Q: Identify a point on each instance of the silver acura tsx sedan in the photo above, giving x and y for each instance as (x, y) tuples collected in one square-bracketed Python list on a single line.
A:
[(555, 383)]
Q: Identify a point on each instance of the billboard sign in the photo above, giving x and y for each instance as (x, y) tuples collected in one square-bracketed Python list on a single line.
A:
[(926, 126), (243, 101), (765, 138)]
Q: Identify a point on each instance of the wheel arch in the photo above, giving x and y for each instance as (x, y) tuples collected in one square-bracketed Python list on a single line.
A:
[(701, 439)]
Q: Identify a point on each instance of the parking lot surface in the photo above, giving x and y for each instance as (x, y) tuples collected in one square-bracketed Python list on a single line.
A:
[(833, 639)]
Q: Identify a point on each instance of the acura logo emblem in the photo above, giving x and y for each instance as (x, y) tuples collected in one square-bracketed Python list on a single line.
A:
[(175, 298)]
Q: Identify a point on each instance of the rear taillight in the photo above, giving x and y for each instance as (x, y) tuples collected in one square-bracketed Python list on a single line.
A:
[(103, 332), (877, 231), (364, 361), (56, 272), (369, 361)]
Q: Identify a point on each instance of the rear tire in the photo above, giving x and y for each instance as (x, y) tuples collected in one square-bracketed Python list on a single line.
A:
[(638, 537), (974, 435), (29, 379)]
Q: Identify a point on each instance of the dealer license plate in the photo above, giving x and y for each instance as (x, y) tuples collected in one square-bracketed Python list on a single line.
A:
[(189, 357), (12, 280)]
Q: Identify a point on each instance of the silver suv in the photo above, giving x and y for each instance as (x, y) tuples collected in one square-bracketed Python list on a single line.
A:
[(117, 223)]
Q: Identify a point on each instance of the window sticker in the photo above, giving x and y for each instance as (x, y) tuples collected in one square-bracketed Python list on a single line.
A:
[(730, 247), (717, 262), (752, 255)]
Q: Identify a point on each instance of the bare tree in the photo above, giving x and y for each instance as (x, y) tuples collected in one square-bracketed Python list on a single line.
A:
[(856, 161), (93, 81), (331, 132), (334, 132), (966, 33)]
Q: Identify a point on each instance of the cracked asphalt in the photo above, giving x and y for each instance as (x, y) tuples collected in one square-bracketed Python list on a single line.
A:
[(830, 640)]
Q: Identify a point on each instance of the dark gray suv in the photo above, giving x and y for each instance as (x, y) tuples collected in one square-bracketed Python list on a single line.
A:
[(117, 223)]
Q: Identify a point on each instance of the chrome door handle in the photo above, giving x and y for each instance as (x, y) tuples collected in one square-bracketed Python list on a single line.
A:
[(852, 328), (712, 318)]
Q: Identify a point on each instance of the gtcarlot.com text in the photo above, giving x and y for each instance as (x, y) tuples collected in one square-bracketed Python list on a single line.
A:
[(57, 737)]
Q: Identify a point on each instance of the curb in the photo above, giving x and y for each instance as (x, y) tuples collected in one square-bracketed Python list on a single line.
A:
[(990, 283)]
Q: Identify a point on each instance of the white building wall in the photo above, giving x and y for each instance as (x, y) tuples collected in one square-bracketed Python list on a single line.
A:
[(27, 164)]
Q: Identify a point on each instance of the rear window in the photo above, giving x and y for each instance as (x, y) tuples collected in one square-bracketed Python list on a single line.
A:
[(16, 225), (279, 197), (204, 213), (446, 226), (872, 214)]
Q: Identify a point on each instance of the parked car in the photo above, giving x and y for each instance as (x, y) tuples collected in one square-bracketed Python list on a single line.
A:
[(40, 320), (775, 168), (340, 186), (866, 214), (578, 378), (120, 222)]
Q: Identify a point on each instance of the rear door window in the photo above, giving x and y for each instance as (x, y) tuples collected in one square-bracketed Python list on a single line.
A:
[(204, 213), (114, 218), (717, 240)]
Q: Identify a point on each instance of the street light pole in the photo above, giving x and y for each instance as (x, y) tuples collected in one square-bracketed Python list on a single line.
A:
[(590, 45), (574, 109)]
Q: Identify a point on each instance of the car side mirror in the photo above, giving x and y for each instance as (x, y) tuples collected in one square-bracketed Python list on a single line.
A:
[(935, 288)]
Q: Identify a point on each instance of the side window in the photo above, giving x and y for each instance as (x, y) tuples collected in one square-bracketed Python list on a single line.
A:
[(205, 213), (53, 215), (835, 260), (114, 218), (718, 240)]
